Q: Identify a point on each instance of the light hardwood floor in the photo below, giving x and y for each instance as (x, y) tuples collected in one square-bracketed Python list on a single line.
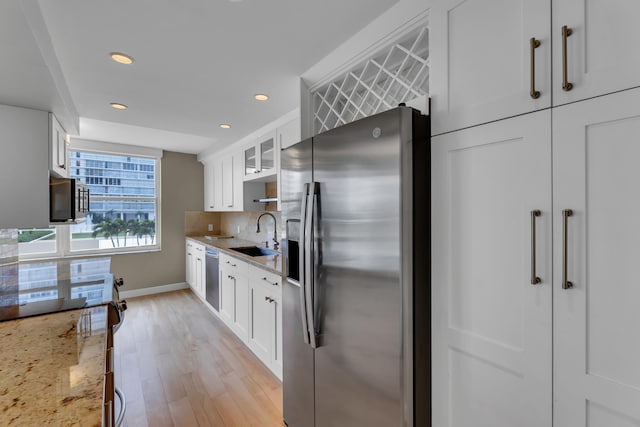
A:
[(179, 365)]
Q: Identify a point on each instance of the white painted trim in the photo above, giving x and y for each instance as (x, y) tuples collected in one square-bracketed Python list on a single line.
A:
[(306, 111), (400, 19), (153, 290), (212, 153), (113, 148)]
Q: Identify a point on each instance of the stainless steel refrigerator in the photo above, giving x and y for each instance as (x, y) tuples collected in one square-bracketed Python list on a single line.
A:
[(355, 201)]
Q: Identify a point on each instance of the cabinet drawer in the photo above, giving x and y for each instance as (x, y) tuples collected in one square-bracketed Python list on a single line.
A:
[(259, 275), (233, 265)]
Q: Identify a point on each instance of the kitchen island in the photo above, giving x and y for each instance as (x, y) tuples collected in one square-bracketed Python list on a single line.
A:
[(43, 287), (52, 369), (56, 320)]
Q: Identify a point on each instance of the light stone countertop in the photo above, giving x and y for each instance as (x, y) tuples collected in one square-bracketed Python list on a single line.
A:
[(272, 263), (52, 369)]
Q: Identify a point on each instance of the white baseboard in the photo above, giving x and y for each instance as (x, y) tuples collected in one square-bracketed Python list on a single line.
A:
[(153, 290)]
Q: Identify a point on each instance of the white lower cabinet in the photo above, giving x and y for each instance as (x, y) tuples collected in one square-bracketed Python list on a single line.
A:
[(234, 295), (491, 326), (250, 304), (188, 263), (260, 331), (227, 297), (596, 320), (514, 344), (240, 324), (265, 319), (195, 268)]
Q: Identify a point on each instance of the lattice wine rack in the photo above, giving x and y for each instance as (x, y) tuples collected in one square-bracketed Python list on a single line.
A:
[(398, 74)]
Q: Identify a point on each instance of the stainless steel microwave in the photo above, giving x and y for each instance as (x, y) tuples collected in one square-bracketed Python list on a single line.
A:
[(69, 200)]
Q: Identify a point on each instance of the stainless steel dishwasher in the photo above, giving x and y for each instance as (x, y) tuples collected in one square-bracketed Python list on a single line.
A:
[(212, 293)]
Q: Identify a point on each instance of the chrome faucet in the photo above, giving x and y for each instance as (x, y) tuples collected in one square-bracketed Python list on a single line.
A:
[(275, 230)]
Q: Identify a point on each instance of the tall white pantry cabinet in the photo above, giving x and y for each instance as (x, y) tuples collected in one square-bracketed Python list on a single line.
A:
[(536, 216)]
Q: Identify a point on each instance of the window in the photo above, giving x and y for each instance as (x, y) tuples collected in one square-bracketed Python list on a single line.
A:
[(123, 213), (37, 242)]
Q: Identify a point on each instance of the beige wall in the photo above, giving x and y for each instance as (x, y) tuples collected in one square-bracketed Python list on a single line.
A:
[(182, 182)]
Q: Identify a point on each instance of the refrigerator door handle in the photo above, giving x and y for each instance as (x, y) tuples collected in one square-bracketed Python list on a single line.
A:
[(301, 261), (309, 273)]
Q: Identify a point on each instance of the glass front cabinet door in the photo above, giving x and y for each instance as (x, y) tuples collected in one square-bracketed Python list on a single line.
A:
[(260, 158)]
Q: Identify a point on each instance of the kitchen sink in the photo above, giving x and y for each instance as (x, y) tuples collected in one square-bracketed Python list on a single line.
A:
[(255, 251)]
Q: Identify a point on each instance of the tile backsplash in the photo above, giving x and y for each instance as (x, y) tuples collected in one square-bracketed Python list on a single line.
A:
[(243, 226), (196, 223), (8, 246)]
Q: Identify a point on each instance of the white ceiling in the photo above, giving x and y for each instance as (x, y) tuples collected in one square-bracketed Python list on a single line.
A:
[(198, 63)]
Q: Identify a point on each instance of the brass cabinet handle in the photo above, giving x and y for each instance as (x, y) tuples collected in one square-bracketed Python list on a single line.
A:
[(566, 32), (566, 284), (534, 277), (535, 94)]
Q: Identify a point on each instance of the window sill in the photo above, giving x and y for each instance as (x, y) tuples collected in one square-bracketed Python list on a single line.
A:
[(88, 254)]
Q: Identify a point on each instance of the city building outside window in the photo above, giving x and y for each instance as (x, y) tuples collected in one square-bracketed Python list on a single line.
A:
[(123, 202)]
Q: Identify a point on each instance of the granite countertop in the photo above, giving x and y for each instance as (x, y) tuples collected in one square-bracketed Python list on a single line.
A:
[(272, 263), (43, 287), (52, 369)]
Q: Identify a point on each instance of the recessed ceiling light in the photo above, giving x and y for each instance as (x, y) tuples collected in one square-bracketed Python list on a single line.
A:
[(121, 58), (225, 126), (261, 97), (119, 106)]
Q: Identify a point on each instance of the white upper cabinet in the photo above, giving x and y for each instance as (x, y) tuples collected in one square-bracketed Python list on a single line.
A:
[(231, 187), (24, 168), (235, 178), (228, 183), (484, 64), (223, 183), (217, 185), (601, 48), (289, 133), (58, 155), (260, 158), (209, 187), (213, 184)]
